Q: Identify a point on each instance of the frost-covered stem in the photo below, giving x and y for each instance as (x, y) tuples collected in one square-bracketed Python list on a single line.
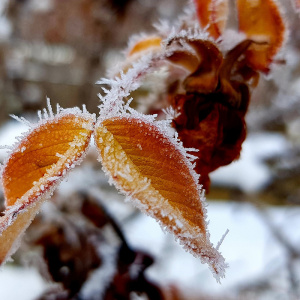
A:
[(125, 83)]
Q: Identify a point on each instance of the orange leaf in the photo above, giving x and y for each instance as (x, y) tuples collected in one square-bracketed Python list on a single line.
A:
[(212, 14), (145, 44), (262, 22), (36, 166), (152, 170), (12, 225), (138, 49)]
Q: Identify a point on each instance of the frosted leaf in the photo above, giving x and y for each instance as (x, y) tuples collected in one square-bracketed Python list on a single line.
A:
[(154, 172), (33, 169)]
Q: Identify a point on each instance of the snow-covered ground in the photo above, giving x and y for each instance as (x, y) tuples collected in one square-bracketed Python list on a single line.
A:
[(249, 248)]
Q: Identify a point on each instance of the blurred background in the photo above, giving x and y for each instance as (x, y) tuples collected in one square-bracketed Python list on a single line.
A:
[(87, 243)]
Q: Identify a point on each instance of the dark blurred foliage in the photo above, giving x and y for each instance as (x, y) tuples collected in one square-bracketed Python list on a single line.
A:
[(73, 246), (60, 49)]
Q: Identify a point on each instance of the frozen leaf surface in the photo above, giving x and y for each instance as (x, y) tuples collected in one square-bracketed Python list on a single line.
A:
[(153, 171), (35, 167), (262, 22)]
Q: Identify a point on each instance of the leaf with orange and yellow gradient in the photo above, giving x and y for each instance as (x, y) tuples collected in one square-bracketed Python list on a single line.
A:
[(212, 15), (145, 44), (262, 22), (35, 167), (138, 48), (152, 169)]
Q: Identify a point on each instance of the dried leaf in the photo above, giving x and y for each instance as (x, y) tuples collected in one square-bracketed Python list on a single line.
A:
[(212, 14), (262, 22), (185, 59), (203, 65), (152, 170), (69, 260), (210, 125), (205, 79), (35, 167)]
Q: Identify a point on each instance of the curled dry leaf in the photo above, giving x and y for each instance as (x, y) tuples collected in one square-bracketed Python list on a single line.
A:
[(205, 78), (216, 129), (187, 60), (35, 167), (211, 113), (153, 171), (212, 14), (262, 22)]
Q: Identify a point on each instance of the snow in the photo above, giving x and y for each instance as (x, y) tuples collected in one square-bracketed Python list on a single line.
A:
[(249, 247), (20, 283), (8, 132), (249, 173)]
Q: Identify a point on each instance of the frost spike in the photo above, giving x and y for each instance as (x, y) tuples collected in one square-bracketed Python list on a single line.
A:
[(151, 170)]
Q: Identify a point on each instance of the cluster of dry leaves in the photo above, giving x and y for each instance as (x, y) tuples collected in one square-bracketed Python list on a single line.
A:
[(208, 87)]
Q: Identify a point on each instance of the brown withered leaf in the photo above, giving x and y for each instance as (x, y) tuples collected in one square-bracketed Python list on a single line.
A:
[(205, 78), (211, 112), (35, 167), (212, 14), (126, 281), (151, 169), (69, 260), (187, 60), (209, 123), (262, 22), (204, 65)]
